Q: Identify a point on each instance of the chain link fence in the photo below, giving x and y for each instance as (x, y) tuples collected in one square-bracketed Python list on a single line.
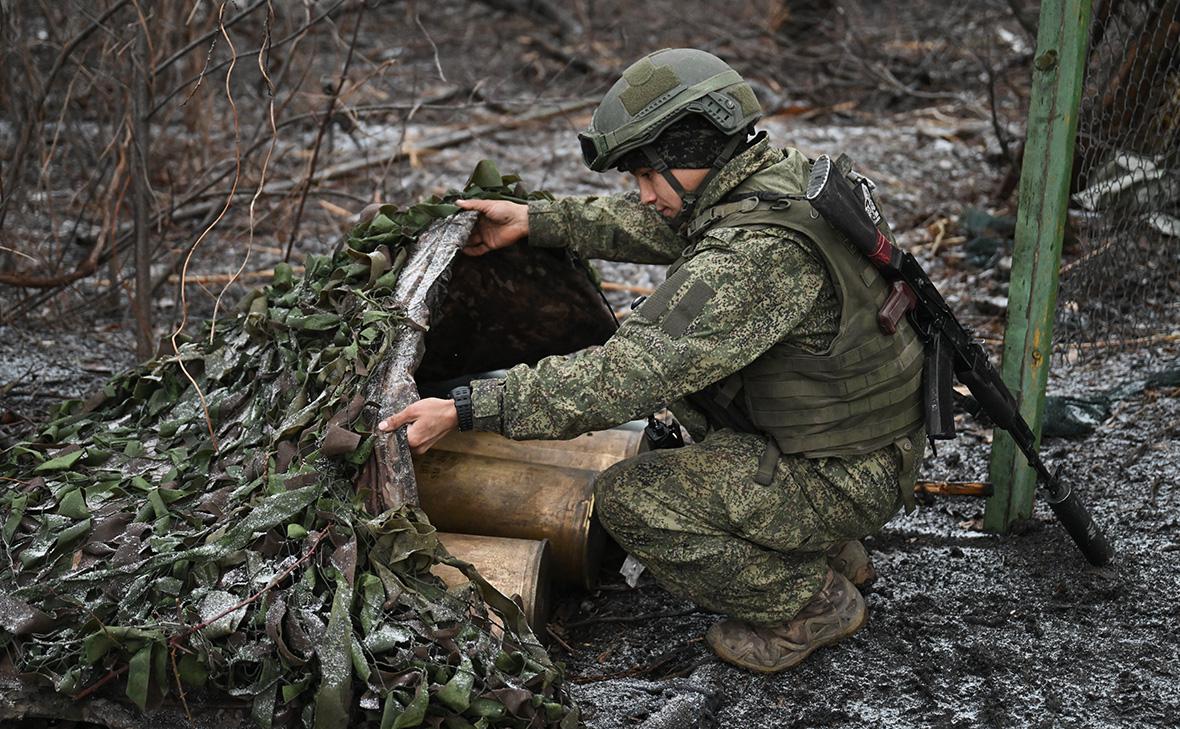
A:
[(1120, 282)]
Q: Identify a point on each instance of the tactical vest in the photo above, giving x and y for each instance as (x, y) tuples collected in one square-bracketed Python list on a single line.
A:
[(861, 394)]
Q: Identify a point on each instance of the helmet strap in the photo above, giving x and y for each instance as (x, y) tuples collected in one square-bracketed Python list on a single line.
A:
[(688, 200)]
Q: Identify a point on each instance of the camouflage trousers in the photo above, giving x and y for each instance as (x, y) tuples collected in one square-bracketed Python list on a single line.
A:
[(695, 517)]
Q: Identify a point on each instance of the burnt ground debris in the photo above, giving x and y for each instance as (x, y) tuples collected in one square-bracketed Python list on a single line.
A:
[(966, 629)]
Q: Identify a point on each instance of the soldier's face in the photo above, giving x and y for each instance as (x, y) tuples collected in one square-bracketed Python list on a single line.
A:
[(655, 190)]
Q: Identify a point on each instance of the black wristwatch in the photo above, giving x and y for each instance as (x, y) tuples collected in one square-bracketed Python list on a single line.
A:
[(462, 397)]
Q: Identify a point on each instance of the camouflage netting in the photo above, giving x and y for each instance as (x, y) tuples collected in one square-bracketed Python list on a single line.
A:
[(188, 546), (1122, 285)]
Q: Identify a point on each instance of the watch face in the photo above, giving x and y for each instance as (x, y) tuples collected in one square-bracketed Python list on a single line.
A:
[(462, 392)]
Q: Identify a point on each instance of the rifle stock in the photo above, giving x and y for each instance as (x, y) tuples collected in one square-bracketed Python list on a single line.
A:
[(831, 193)]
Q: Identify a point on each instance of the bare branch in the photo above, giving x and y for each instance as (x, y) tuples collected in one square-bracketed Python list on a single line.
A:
[(434, 48), (274, 138), (34, 117), (315, 153)]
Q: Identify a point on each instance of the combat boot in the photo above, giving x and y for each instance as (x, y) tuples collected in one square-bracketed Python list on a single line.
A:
[(851, 559), (836, 612)]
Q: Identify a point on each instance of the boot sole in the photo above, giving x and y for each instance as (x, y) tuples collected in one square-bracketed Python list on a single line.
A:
[(802, 656)]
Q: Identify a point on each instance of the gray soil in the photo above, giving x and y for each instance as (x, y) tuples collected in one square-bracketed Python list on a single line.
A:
[(966, 629)]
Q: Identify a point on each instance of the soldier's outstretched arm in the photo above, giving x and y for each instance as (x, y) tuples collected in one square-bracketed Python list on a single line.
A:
[(611, 227), (615, 228)]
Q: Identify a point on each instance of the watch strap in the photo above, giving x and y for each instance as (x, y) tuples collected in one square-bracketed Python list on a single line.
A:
[(462, 397)]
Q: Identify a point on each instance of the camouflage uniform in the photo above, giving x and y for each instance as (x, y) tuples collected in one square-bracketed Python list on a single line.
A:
[(695, 516)]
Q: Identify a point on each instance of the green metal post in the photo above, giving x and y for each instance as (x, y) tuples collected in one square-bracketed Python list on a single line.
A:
[(1044, 195)]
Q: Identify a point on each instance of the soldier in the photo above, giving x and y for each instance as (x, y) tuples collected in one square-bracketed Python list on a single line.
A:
[(806, 417)]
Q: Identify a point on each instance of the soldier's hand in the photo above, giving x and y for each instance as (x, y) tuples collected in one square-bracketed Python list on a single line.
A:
[(501, 223), (430, 419)]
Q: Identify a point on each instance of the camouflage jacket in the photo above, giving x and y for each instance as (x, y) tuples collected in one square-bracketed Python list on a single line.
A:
[(753, 288)]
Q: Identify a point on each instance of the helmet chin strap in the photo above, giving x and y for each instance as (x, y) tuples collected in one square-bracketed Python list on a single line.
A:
[(688, 200)]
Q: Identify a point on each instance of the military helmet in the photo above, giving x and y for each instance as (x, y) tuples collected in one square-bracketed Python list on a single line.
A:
[(660, 89)]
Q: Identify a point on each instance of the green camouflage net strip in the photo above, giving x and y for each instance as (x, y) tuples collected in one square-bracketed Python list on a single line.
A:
[(140, 556)]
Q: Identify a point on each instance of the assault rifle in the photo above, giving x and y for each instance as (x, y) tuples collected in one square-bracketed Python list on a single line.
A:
[(950, 348)]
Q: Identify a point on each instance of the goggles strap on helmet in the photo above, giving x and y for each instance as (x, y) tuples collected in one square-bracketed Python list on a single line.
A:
[(688, 200), (659, 165)]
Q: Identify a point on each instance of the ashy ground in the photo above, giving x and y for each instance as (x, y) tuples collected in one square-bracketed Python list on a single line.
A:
[(966, 629)]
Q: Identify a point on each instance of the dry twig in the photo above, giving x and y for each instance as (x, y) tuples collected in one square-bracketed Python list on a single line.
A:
[(327, 119)]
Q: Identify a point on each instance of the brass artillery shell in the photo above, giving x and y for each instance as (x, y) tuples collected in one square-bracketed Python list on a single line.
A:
[(592, 451), (482, 483), (519, 568)]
